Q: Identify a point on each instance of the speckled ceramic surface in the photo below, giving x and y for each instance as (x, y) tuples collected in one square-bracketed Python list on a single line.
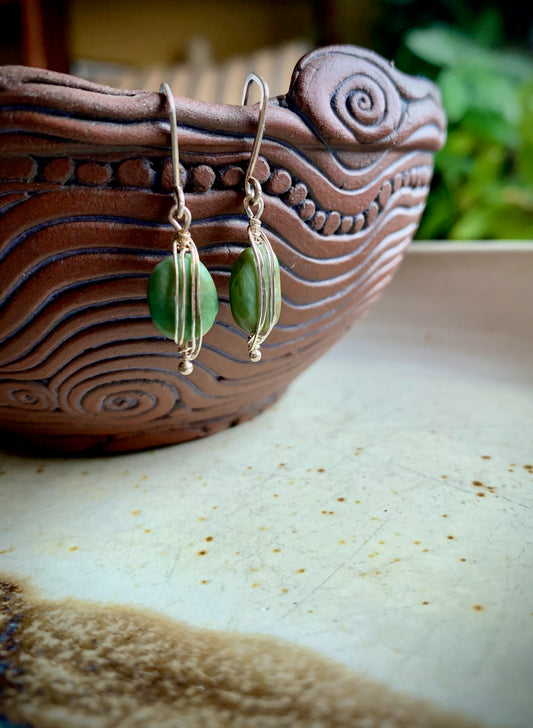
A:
[(384, 521)]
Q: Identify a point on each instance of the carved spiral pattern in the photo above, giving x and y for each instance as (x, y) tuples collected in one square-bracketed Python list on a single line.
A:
[(26, 396), (368, 103), (364, 105)]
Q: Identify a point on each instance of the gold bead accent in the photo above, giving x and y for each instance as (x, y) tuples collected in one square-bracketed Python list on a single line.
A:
[(185, 367)]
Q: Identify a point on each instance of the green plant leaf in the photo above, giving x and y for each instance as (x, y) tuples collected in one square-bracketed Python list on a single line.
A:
[(454, 91), (491, 127), (441, 45), (488, 27), (449, 47), (525, 157)]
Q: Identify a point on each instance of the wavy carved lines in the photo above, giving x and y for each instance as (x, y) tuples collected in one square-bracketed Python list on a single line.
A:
[(345, 284), (321, 294)]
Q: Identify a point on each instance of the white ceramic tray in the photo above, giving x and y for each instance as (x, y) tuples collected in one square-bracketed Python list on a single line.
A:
[(380, 513)]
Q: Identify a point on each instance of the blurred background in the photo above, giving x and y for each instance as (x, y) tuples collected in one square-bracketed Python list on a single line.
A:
[(478, 52)]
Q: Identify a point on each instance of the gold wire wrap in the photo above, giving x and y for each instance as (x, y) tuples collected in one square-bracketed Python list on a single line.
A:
[(266, 268)]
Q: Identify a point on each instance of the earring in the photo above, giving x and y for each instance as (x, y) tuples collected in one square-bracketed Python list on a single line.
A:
[(182, 296), (255, 288)]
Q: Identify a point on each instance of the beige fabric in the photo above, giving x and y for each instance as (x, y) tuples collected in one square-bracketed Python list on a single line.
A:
[(73, 664)]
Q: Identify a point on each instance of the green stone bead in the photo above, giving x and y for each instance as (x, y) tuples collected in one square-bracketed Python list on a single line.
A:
[(161, 298), (244, 291)]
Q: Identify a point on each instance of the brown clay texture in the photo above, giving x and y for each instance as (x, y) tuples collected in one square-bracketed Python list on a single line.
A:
[(85, 180)]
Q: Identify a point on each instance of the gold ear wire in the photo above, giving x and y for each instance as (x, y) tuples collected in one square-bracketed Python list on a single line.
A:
[(252, 187)]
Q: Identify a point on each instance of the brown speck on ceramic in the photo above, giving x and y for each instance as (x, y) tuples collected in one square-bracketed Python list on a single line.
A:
[(445, 515), (85, 472), (462, 559), (282, 465), (478, 607), (136, 512), (486, 457), (209, 538), (284, 591), (276, 551), (300, 571), (202, 553), (425, 551), (342, 542), (478, 484), (204, 581), (255, 585), (424, 603), (444, 477), (74, 548), (7, 551), (341, 500), (416, 543), (39, 470), (148, 530), (450, 537), (480, 494)]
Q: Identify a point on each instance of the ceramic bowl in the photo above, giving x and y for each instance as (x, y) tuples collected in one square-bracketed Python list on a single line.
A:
[(85, 182)]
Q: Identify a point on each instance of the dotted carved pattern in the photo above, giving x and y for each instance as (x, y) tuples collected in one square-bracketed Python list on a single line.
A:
[(155, 174), (81, 363)]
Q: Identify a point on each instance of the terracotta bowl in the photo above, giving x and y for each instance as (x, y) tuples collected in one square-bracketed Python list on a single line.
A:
[(85, 179)]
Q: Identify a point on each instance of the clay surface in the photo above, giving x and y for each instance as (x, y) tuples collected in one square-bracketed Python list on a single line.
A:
[(85, 176)]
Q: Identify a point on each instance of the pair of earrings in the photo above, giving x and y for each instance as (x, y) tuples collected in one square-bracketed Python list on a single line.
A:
[(182, 295)]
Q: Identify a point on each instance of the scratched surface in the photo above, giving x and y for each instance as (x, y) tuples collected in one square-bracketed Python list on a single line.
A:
[(381, 513)]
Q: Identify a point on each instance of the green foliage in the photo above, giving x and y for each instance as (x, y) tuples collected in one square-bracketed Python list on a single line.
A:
[(483, 183)]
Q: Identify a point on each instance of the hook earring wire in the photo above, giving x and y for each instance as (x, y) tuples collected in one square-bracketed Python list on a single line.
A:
[(251, 185), (265, 259), (179, 216), (183, 245)]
